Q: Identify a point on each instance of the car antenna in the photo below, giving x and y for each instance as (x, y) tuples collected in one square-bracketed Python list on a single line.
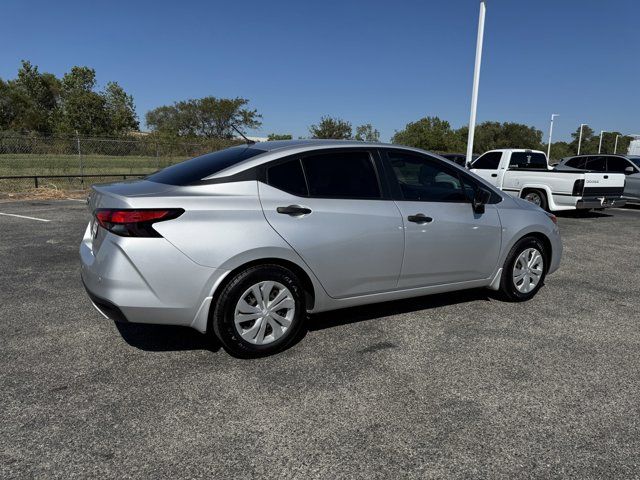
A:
[(249, 141)]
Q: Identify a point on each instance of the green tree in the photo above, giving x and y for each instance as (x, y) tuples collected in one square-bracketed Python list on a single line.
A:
[(589, 143), (560, 150), (429, 133), (492, 135), (276, 136), (330, 127), (366, 133), (120, 109), (206, 117), (28, 103), (82, 109)]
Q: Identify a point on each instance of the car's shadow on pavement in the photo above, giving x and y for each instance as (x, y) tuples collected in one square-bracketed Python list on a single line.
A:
[(165, 338), (582, 214), (346, 316)]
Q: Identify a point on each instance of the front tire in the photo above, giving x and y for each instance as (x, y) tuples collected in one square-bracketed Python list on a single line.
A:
[(259, 312), (524, 270)]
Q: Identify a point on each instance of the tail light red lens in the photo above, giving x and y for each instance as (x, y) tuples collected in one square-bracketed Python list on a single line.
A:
[(552, 217), (135, 222)]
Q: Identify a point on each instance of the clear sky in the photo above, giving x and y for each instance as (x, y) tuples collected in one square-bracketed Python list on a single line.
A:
[(383, 62)]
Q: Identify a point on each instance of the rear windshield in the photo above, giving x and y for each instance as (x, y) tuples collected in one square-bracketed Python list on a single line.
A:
[(527, 160), (191, 171)]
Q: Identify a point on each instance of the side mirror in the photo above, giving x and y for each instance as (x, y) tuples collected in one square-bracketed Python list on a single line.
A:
[(480, 198), (629, 170)]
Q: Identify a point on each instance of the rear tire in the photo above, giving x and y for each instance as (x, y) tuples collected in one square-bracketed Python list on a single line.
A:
[(259, 312), (524, 270), (537, 197)]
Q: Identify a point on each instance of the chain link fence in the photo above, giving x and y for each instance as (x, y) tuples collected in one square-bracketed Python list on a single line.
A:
[(74, 162)]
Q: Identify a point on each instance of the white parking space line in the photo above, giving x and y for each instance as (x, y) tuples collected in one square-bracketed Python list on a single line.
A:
[(24, 216)]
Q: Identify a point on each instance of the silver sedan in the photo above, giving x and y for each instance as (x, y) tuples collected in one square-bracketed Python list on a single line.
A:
[(244, 242)]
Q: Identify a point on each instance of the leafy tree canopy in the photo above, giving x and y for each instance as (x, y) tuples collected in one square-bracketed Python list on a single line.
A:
[(332, 128), (276, 136), (366, 133), (36, 102), (205, 117)]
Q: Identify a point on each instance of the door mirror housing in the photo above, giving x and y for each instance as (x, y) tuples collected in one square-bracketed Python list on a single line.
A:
[(629, 170), (480, 198)]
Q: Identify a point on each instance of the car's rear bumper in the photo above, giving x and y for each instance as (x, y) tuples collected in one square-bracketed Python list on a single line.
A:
[(145, 280), (600, 202)]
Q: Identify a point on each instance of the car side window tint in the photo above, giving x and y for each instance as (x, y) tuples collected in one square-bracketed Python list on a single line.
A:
[(488, 161), (576, 162), (424, 179), (597, 164), (288, 177), (342, 175), (617, 164)]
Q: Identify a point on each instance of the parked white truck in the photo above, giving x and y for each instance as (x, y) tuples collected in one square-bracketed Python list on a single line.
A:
[(526, 174)]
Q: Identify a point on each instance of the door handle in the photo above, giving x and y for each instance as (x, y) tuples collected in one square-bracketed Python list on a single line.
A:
[(494, 175), (419, 218), (293, 210)]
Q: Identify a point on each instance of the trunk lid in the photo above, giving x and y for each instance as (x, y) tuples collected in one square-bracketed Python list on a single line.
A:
[(114, 195)]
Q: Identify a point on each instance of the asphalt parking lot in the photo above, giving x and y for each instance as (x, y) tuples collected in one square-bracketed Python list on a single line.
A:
[(456, 385)]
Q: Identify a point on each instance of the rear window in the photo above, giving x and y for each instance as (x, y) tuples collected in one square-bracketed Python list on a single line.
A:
[(191, 171), (528, 160)]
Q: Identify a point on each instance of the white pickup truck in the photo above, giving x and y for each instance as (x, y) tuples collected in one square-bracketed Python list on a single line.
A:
[(526, 174)]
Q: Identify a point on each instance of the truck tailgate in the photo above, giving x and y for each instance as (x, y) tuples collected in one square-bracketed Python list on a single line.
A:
[(603, 184)]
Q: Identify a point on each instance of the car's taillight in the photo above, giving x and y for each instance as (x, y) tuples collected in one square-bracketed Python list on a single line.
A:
[(134, 222), (578, 187), (552, 217)]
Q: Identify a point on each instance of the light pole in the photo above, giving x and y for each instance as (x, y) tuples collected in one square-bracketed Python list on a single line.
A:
[(600, 144), (476, 81), (553, 115), (580, 137), (615, 145)]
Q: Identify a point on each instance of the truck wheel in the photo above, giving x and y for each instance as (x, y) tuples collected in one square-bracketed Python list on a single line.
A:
[(536, 197), (524, 270)]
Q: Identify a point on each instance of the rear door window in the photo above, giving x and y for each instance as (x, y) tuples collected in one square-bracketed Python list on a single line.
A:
[(198, 168), (528, 160), (288, 177), (488, 161), (578, 162), (342, 174), (597, 164)]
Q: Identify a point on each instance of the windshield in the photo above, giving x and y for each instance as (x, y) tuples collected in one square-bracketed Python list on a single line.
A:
[(191, 171), (635, 160)]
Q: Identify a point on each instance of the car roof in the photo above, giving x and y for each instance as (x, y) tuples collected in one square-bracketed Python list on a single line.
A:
[(281, 148), (601, 155)]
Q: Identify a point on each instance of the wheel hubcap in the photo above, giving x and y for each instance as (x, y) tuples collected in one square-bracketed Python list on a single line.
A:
[(264, 313), (533, 198), (527, 271)]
